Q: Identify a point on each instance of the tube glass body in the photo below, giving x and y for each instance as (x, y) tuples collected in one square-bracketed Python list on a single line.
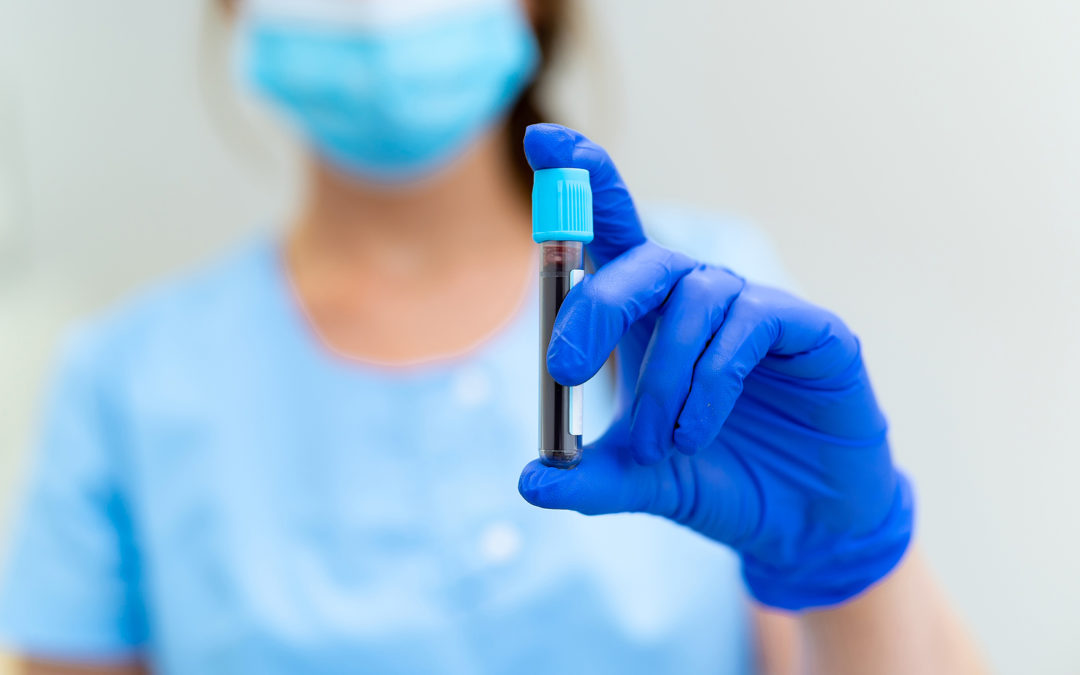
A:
[(561, 266)]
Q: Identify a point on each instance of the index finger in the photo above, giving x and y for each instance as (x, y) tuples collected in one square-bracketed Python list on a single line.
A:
[(616, 225)]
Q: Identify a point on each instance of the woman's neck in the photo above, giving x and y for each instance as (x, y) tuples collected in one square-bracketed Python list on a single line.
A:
[(407, 273)]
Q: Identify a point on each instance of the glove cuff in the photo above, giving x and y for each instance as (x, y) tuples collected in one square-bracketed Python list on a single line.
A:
[(835, 575)]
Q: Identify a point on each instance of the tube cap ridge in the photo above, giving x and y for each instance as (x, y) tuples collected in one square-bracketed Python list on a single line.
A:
[(562, 208)]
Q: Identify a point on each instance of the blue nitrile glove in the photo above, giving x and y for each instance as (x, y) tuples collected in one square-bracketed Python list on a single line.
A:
[(745, 413)]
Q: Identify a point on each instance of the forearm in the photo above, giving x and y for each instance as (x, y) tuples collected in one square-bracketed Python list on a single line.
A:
[(34, 666), (902, 625)]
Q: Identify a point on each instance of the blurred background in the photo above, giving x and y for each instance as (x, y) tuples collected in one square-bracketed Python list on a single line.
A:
[(917, 164)]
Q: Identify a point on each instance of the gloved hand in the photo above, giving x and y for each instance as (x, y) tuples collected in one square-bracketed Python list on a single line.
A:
[(745, 413)]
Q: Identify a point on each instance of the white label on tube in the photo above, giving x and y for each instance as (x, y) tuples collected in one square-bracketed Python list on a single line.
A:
[(577, 420), (576, 417)]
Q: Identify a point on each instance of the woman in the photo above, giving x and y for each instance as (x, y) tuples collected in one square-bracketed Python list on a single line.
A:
[(303, 458)]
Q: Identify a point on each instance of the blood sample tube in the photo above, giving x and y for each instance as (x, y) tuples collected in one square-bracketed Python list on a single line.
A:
[(562, 225)]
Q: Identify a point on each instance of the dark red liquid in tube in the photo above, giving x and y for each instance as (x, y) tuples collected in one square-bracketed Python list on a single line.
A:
[(560, 406)]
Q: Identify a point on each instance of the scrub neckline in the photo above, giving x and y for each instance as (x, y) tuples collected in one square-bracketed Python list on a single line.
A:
[(304, 329)]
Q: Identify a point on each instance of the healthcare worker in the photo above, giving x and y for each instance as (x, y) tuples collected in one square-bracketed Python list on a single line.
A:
[(307, 456)]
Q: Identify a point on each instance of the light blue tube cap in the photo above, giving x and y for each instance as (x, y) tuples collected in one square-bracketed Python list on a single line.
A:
[(562, 205)]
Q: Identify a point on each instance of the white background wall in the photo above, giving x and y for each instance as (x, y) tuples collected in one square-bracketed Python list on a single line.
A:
[(917, 164)]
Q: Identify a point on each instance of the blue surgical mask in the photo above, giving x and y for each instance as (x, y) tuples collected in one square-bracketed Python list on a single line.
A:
[(388, 90)]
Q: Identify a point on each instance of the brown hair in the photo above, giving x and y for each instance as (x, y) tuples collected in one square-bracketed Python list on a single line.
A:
[(549, 19)]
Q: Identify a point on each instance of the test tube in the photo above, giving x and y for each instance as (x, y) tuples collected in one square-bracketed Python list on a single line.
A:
[(562, 225)]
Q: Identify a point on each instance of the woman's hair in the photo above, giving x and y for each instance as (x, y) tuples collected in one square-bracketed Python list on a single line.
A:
[(549, 19), (548, 22)]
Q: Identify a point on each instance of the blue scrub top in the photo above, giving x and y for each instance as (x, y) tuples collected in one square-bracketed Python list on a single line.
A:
[(217, 492)]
